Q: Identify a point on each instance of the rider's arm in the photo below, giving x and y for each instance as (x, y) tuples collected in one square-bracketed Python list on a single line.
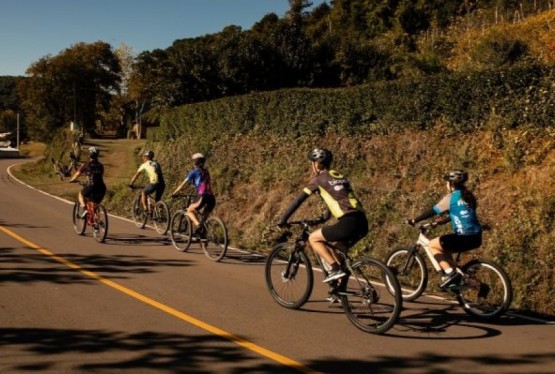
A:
[(75, 176), (295, 204), (180, 187), (425, 215), (134, 177)]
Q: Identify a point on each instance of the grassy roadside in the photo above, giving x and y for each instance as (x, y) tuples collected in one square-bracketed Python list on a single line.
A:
[(118, 156)]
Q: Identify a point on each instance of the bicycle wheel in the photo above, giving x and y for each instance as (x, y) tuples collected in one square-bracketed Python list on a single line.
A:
[(181, 231), (100, 228), (139, 215), (161, 217), (411, 272), (79, 224), (488, 292), (289, 276), (369, 304), (214, 238)]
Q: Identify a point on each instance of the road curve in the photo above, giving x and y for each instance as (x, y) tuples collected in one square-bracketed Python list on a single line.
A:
[(134, 304)]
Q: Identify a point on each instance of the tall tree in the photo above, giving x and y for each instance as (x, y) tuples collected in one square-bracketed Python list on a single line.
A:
[(75, 85)]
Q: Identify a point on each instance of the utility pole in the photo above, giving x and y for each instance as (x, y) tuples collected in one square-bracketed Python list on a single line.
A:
[(17, 132)]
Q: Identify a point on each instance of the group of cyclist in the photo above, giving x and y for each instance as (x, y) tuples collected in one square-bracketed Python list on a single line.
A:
[(199, 176), (458, 206)]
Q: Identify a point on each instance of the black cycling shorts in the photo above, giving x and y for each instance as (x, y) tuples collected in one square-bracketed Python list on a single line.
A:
[(94, 192), (349, 229), (207, 203), (460, 243), (158, 188)]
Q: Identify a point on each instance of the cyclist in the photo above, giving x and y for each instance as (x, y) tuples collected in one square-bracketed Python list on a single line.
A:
[(460, 204), (200, 178), (156, 179), (95, 189), (336, 191)]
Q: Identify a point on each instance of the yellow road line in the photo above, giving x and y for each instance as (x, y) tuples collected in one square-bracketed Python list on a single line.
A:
[(176, 313)]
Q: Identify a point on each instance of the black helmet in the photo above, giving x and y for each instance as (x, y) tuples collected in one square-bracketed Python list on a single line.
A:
[(321, 155), (149, 154), (456, 177), (93, 152)]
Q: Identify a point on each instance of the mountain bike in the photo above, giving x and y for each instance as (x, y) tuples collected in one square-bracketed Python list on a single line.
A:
[(485, 291), (368, 303), (96, 217), (158, 212), (212, 232)]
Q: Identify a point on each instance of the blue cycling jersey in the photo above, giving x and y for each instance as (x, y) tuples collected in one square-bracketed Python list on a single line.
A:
[(463, 217), (201, 180)]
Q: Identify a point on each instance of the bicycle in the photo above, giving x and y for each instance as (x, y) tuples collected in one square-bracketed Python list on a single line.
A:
[(158, 212), (368, 304), (212, 232), (485, 291), (96, 217)]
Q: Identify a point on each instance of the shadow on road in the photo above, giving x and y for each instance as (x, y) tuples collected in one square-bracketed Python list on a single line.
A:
[(34, 268), (136, 239), (80, 351)]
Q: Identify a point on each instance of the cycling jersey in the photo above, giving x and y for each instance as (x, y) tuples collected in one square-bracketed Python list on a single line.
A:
[(336, 192), (94, 171), (153, 171), (200, 177), (463, 217)]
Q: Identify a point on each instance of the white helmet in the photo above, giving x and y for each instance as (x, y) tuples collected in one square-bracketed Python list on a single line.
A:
[(196, 156)]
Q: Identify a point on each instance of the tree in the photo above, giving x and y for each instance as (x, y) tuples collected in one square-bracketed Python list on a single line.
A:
[(75, 85)]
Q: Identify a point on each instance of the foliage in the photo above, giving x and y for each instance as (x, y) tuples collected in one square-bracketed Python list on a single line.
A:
[(76, 85)]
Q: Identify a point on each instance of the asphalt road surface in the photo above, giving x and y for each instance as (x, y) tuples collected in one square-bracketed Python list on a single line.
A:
[(134, 304)]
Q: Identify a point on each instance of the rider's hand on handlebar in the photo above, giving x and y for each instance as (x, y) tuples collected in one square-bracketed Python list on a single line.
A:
[(410, 221)]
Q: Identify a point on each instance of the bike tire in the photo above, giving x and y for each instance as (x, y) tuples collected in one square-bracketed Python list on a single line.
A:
[(161, 217), (411, 273), (488, 292), (372, 297), (214, 239), (181, 231), (289, 276), (100, 231), (79, 224), (139, 215)]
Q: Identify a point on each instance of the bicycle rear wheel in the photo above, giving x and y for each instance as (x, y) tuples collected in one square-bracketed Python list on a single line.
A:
[(369, 304), (411, 272), (181, 231), (289, 276), (100, 228), (161, 217), (488, 292), (79, 224), (139, 214), (214, 239)]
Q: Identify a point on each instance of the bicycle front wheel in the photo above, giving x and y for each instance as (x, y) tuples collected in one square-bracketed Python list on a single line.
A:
[(289, 276), (181, 231), (161, 217), (411, 272), (372, 298), (214, 239), (139, 214), (488, 292), (100, 227), (79, 224)]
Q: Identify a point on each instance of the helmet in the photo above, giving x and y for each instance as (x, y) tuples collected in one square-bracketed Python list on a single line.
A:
[(456, 177), (321, 155), (198, 158), (93, 152), (149, 154)]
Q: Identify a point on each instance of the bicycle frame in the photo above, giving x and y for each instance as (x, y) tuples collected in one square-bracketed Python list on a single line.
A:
[(424, 242)]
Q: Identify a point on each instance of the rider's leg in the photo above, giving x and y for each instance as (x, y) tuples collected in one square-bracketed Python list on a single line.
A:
[(81, 200), (143, 200), (444, 259), (192, 215), (318, 244)]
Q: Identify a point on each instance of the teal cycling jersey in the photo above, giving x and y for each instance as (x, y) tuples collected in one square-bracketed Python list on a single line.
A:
[(464, 219)]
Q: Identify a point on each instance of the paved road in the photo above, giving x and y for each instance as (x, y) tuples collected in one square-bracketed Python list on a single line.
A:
[(134, 304)]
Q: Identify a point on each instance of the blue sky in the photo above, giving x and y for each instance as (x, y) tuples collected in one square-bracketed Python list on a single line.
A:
[(31, 29)]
